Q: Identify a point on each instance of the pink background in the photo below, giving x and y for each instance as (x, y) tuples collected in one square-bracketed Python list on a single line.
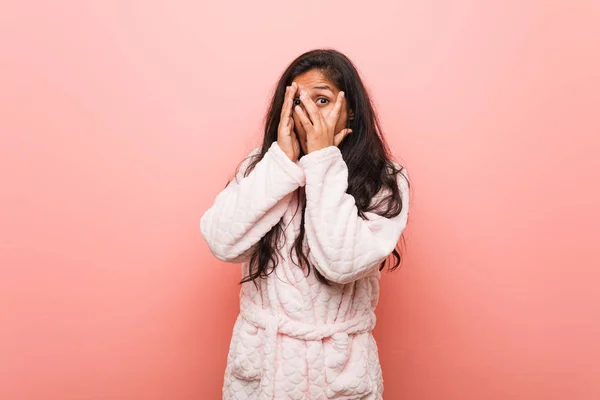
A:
[(120, 122)]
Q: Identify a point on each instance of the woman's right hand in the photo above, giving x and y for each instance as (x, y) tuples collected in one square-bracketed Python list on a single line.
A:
[(286, 137)]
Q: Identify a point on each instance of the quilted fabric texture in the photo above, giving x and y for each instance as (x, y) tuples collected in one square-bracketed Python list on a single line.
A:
[(296, 338)]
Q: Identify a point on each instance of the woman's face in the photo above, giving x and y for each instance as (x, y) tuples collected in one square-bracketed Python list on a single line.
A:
[(323, 92)]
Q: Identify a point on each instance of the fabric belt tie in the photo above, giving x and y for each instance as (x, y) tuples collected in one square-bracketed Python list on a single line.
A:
[(274, 325)]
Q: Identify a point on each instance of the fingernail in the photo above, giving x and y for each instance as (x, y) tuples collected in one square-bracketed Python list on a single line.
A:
[(343, 94), (297, 108)]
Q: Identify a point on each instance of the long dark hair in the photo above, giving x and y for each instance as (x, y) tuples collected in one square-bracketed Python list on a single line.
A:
[(367, 155)]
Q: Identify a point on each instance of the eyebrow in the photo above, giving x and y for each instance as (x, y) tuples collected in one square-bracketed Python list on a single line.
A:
[(323, 87)]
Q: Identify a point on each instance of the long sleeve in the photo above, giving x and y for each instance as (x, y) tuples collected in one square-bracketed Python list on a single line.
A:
[(343, 246), (250, 206)]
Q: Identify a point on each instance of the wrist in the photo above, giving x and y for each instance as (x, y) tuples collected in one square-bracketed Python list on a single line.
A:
[(319, 142), (317, 147), (291, 157)]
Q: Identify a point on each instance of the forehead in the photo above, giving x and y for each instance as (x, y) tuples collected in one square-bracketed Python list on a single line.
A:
[(312, 78)]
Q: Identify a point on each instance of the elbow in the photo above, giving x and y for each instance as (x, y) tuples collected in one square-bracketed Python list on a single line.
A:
[(347, 271), (341, 279), (223, 249), (225, 253), (214, 244), (231, 258), (337, 273), (228, 258)]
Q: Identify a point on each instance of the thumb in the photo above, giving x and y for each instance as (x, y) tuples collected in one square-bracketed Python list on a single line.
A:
[(337, 139)]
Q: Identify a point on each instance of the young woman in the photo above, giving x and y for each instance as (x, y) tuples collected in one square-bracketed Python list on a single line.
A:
[(312, 215)]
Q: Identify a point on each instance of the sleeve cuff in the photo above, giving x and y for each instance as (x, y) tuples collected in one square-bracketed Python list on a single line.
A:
[(320, 156), (292, 169)]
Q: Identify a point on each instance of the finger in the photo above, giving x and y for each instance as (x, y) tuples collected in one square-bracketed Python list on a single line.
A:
[(339, 137), (304, 120), (297, 123), (311, 108), (293, 131), (293, 90), (286, 110), (334, 115), (298, 128)]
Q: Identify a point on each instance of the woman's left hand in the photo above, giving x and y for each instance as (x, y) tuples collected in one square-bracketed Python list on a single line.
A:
[(320, 129)]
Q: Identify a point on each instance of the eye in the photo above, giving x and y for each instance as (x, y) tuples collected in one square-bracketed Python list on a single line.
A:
[(325, 100), (297, 102)]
